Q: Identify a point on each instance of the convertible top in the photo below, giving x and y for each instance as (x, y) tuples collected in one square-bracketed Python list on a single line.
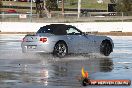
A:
[(58, 29)]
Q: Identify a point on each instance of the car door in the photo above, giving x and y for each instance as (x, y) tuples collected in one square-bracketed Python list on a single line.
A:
[(77, 42), (90, 47)]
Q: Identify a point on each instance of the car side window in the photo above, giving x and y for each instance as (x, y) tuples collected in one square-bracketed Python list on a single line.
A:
[(45, 30), (72, 31)]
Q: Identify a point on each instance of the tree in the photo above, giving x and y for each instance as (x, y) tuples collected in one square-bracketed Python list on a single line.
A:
[(0, 5), (51, 5), (124, 6), (113, 1)]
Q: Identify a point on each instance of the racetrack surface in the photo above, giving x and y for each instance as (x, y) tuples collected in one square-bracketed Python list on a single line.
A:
[(38, 70)]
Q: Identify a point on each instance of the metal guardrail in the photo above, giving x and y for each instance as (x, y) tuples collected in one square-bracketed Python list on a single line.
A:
[(17, 17), (57, 17), (14, 14), (18, 7)]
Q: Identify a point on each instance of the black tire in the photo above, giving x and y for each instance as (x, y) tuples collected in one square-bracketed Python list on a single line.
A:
[(105, 48), (60, 49)]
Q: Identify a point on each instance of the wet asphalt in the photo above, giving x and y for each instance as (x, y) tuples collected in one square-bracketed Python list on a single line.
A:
[(39, 70)]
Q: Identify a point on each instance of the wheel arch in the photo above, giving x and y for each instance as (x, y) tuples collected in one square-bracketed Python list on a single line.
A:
[(60, 41), (108, 41), (63, 42), (55, 53)]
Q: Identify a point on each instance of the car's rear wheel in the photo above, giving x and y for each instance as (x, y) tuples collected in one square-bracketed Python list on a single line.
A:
[(105, 48), (60, 49)]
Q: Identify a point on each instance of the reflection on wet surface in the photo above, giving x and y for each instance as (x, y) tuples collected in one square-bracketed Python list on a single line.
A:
[(61, 72), (18, 70)]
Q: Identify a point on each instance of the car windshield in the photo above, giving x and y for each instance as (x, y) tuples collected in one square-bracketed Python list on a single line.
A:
[(45, 30)]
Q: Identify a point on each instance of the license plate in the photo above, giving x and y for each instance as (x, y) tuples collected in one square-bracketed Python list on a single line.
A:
[(31, 47)]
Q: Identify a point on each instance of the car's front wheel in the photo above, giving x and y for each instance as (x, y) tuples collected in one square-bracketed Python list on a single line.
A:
[(105, 48), (60, 49)]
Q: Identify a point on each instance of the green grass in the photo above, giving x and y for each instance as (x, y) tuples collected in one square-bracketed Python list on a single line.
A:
[(84, 4), (96, 6), (88, 4), (91, 4)]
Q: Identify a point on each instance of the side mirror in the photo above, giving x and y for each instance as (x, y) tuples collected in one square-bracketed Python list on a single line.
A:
[(83, 33)]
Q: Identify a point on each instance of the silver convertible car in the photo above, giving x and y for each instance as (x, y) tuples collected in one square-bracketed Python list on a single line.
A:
[(62, 39)]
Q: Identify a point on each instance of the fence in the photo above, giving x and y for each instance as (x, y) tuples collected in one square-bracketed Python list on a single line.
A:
[(15, 11), (68, 17)]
